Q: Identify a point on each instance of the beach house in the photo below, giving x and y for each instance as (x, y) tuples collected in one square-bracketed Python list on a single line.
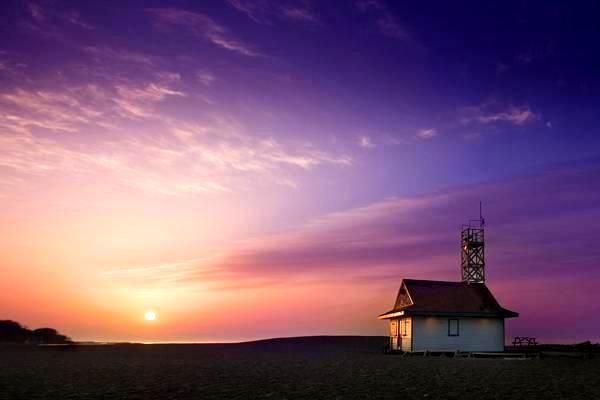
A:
[(450, 316)]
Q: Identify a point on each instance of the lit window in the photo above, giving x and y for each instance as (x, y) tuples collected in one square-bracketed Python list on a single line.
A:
[(405, 326), (452, 327), (393, 327)]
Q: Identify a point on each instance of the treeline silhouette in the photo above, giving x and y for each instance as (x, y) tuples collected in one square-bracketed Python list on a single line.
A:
[(13, 332)]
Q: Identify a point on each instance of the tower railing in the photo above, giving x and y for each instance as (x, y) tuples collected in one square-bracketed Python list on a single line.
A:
[(472, 254)]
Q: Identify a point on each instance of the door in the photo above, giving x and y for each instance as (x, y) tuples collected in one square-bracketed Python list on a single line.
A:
[(394, 339), (406, 334)]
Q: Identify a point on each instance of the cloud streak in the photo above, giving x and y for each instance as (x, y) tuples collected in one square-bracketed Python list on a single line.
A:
[(299, 14), (72, 107), (135, 101), (45, 109), (105, 53), (263, 12), (366, 142), (426, 134), (385, 21), (202, 26), (254, 9), (487, 114)]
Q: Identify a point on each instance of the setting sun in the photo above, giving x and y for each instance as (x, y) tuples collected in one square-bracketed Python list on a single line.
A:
[(150, 315)]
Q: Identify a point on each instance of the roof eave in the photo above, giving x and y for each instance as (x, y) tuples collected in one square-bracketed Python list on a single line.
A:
[(391, 314), (461, 314)]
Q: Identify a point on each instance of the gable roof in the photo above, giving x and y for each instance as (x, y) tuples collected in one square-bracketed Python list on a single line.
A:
[(421, 297)]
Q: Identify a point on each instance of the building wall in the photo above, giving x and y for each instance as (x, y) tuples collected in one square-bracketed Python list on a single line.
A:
[(475, 334)]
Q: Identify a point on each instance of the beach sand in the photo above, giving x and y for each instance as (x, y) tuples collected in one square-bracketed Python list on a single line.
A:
[(309, 368)]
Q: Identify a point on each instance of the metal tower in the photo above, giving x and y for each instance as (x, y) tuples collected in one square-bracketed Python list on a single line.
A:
[(472, 254)]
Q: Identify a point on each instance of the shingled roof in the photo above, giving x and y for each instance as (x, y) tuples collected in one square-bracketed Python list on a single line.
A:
[(421, 297)]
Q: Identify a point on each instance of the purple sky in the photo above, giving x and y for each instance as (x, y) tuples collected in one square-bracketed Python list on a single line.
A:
[(293, 158)]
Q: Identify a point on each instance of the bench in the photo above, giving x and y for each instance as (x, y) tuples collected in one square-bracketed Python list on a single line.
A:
[(524, 341)]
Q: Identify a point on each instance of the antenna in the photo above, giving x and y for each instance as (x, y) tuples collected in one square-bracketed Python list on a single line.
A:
[(481, 220), (472, 253)]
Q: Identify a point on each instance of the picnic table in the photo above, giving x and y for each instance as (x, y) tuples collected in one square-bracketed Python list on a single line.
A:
[(524, 341)]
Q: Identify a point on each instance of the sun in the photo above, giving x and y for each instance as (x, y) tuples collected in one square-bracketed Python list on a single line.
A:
[(150, 315)]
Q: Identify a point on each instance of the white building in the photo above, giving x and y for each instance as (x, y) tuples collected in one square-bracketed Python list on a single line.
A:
[(446, 316)]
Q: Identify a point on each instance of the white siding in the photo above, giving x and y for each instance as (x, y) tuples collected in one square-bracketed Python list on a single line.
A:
[(475, 334)]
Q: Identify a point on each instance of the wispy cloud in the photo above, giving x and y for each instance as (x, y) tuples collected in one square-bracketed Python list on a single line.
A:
[(365, 142), (389, 26), (205, 78), (254, 9), (489, 114), (137, 101), (524, 58), (367, 5), (426, 134), (47, 109), (72, 107), (50, 16), (299, 14), (36, 12), (42, 25), (237, 151), (74, 18), (263, 12), (218, 153), (202, 26), (386, 22), (106, 53), (29, 155)]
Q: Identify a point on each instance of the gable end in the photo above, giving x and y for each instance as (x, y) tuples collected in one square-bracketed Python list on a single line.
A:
[(403, 299)]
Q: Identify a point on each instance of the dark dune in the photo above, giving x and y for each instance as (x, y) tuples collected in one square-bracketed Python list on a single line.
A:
[(307, 368)]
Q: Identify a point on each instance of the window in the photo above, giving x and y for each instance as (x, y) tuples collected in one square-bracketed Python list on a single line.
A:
[(452, 327), (393, 327), (405, 327)]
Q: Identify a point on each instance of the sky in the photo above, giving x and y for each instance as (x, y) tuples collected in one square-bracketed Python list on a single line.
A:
[(250, 169)]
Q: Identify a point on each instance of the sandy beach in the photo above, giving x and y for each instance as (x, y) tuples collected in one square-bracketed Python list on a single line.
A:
[(309, 368)]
